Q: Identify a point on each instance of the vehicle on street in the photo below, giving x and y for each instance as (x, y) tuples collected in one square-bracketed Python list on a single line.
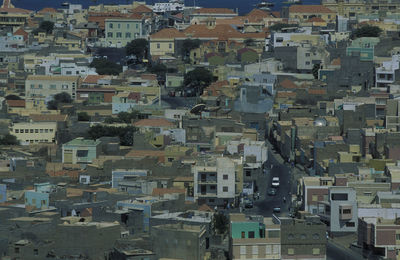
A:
[(275, 182), (271, 192), (248, 203), (276, 210)]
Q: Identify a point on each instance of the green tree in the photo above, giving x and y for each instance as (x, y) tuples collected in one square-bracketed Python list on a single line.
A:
[(83, 116), (137, 47), (9, 140), (221, 222), (315, 70), (13, 97), (159, 69), (367, 31), (59, 98), (125, 134), (198, 78), (106, 67), (189, 45)]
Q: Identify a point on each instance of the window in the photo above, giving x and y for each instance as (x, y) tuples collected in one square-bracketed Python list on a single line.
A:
[(255, 250), (339, 196), (225, 189), (170, 46), (251, 234), (64, 87), (314, 198), (212, 187), (290, 236), (346, 211), (243, 234), (248, 173), (397, 236), (315, 236), (268, 249), (119, 26), (275, 249), (137, 26), (82, 153), (110, 25), (242, 249), (46, 130), (32, 86), (273, 233), (350, 224), (307, 54), (303, 236), (16, 250), (290, 251), (128, 35), (127, 26), (158, 46), (53, 86), (110, 35), (225, 176), (16, 131), (316, 251), (119, 35), (170, 159), (40, 86), (308, 63), (36, 130), (31, 131)]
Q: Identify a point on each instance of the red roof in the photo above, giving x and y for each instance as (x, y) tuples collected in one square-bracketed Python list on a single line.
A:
[(214, 11), (317, 91), (316, 20), (153, 122), (287, 83), (162, 191), (93, 79), (168, 33), (16, 103), (21, 32), (309, 9), (142, 9)]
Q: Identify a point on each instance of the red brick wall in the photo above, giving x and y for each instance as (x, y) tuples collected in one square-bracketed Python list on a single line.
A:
[(385, 237)]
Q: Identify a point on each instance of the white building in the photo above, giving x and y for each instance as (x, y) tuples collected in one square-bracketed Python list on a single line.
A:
[(386, 74), (214, 181), (170, 6)]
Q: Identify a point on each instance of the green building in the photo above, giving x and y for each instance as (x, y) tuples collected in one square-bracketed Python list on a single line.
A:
[(174, 80), (120, 31), (364, 47), (80, 150)]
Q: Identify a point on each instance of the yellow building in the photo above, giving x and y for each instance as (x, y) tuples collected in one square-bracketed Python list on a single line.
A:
[(37, 86), (35, 132), (302, 13), (163, 42), (349, 9), (28, 107), (11, 16)]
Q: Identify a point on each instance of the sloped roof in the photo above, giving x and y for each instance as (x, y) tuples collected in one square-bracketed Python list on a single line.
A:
[(142, 9), (219, 31), (309, 9), (168, 33), (16, 103), (317, 91), (21, 32), (8, 7), (287, 83), (214, 11), (92, 79), (315, 20)]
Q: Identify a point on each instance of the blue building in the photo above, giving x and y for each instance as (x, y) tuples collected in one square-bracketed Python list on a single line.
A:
[(121, 175), (144, 205), (39, 198)]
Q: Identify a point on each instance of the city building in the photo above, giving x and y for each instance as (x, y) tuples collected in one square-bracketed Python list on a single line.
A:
[(35, 132), (122, 30), (80, 150), (42, 87)]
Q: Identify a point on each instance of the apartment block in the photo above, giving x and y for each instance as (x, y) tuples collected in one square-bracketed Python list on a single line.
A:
[(120, 31), (80, 150), (214, 181), (254, 237), (38, 86), (35, 132)]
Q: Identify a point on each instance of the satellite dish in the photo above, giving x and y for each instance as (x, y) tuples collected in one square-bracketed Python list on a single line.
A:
[(197, 108)]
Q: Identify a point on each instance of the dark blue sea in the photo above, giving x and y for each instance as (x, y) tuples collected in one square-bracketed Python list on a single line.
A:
[(244, 6)]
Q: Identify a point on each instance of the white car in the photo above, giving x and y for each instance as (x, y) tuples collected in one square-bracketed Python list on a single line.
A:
[(275, 182)]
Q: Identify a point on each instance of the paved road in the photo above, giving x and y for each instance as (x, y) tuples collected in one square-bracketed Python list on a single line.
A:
[(335, 252), (265, 205)]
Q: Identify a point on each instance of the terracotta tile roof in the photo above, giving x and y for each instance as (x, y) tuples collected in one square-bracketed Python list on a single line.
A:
[(220, 31), (309, 9), (47, 10), (285, 94), (142, 9), (146, 153), (168, 33), (317, 91), (184, 178), (16, 103), (48, 118), (8, 7), (315, 20), (92, 79), (287, 83), (162, 191), (149, 76), (276, 14), (178, 15), (154, 122), (22, 32), (214, 11), (238, 20), (100, 17), (257, 15)]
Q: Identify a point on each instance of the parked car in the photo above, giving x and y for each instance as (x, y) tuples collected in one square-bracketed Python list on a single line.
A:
[(275, 182), (248, 203), (272, 192), (276, 210)]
